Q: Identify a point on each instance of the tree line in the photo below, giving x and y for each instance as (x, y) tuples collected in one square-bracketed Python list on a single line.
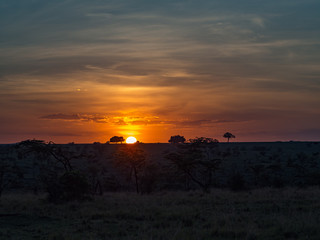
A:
[(65, 174), (74, 172), (176, 139), (63, 181)]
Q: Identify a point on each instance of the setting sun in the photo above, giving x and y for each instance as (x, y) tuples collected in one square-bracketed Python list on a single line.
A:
[(131, 140)]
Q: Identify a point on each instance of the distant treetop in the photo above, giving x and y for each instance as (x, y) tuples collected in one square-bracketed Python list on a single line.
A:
[(117, 139), (177, 139), (201, 140), (228, 135)]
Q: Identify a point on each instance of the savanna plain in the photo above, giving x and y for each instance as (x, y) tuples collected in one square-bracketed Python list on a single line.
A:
[(160, 191)]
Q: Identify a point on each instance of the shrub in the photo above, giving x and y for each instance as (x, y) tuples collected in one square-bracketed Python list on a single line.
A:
[(149, 178), (236, 182), (70, 186)]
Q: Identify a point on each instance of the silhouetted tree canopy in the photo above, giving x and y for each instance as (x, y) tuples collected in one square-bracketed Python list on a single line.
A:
[(177, 139), (132, 159), (228, 136), (71, 184), (202, 140), (117, 139), (197, 162), (49, 149)]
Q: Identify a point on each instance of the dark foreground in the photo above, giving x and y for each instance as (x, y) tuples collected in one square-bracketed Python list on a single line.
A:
[(288, 213)]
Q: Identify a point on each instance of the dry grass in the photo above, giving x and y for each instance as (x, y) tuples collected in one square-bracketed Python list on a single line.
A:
[(260, 214)]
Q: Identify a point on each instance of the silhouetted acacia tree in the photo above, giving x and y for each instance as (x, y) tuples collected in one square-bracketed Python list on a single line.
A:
[(98, 174), (69, 185), (117, 139), (228, 135), (47, 150), (177, 139), (132, 159), (196, 161)]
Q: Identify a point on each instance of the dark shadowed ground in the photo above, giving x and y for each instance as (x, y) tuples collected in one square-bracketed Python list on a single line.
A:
[(260, 214)]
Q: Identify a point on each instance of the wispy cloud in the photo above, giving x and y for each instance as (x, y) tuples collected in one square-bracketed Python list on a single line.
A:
[(61, 116), (133, 120), (104, 118)]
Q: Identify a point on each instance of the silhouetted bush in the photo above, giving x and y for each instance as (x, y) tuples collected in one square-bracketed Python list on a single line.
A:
[(236, 182), (53, 188), (278, 183), (70, 186), (110, 184), (74, 185), (197, 162), (313, 179), (149, 179), (10, 176)]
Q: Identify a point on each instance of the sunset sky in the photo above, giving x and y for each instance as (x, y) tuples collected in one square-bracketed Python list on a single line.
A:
[(84, 71)]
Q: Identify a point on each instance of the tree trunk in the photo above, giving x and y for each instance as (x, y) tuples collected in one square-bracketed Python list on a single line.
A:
[(98, 188), (136, 179)]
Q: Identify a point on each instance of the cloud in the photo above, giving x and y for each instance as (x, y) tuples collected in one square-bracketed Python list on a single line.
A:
[(133, 120), (103, 118), (78, 117), (110, 44), (258, 21), (181, 64), (60, 116)]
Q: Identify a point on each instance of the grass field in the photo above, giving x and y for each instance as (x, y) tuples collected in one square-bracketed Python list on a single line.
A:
[(288, 213)]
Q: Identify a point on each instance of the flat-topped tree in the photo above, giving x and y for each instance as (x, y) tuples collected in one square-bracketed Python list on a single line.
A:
[(228, 135), (117, 139), (177, 139)]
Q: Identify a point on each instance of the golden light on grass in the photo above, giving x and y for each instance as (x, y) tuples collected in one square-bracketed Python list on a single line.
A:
[(131, 140)]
